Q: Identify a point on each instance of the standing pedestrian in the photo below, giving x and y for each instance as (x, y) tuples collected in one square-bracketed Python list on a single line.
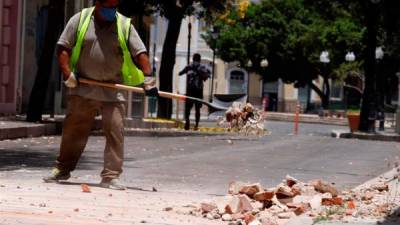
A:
[(196, 75), (99, 44)]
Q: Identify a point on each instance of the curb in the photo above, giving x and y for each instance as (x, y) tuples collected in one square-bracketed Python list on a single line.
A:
[(365, 136), (27, 130), (385, 177), (308, 120)]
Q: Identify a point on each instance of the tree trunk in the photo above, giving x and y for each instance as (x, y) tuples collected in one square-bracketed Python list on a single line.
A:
[(327, 93), (368, 107), (39, 90), (321, 94), (167, 64)]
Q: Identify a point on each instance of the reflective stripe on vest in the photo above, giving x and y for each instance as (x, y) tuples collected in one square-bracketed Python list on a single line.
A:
[(131, 75)]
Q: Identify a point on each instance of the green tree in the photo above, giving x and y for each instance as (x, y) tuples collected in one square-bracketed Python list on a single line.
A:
[(291, 34)]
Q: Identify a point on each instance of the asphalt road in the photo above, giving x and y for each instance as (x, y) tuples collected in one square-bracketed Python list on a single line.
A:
[(208, 164)]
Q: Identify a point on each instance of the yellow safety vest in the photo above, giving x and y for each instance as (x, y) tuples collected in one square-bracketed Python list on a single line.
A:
[(131, 75)]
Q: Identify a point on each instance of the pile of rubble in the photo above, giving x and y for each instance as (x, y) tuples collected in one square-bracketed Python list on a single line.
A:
[(244, 119), (251, 204)]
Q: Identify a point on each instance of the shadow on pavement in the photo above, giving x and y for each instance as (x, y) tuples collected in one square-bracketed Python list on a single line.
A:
[(12, 159), (393, 218)]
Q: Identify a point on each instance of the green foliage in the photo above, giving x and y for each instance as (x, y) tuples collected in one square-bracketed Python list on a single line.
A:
[(340, 73), (291, 34)]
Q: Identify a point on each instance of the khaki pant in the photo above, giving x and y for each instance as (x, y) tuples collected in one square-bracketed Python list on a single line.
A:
[(77, 127)]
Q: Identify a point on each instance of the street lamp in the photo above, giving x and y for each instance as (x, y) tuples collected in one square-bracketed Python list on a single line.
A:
[(189, 38), (381, 112), (350, 57), (324, 58), (265, 101), (264, 63)]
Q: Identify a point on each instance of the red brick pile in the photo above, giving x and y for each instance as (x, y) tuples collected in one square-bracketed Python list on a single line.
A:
[(251, 204)]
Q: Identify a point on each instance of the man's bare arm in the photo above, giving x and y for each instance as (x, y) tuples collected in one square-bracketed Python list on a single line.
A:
[(143, 62), (63, 56)]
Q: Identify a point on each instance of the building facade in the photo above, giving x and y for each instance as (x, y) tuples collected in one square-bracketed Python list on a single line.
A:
[(10, 30)]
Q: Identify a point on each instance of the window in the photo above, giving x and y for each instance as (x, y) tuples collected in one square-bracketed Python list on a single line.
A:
[(336, 91), (237, 83)]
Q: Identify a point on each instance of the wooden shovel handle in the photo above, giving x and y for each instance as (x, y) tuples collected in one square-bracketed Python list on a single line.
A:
[(132, 89)]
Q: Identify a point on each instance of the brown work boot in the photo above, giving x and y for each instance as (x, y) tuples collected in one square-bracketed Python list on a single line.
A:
[(57, 175)]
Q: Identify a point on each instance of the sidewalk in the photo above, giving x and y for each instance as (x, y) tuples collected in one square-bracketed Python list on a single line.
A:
[(387, 135), (31, 202)]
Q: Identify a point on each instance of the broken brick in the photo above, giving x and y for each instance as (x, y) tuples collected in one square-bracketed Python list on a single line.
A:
[(325, 188), (351, 205), (284, 192), (248, 217), (85, 188), (251, 189), (299, 208), (235, 187), (291, 181), (207, 207), (264, 196), (332, 201), (367, 196)]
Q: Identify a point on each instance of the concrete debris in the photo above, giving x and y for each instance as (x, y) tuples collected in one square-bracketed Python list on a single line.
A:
[(322, 187), (251, 190), (208, 207), (244, 119), (263, 196), (251, 204)]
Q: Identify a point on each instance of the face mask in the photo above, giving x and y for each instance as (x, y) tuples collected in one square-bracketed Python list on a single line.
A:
[(108, 13)]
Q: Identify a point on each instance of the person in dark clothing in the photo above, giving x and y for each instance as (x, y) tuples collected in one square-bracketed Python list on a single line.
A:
[(196, 75)]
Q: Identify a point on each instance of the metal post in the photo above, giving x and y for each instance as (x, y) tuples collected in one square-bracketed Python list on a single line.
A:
[(189, 39), (398, 107), (129, 111), (212, 78)]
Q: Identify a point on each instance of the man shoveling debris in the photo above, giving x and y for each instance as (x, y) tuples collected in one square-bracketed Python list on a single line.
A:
[(98, 44)]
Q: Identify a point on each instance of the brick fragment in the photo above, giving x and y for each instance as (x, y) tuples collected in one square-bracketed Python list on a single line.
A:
[(207, 207), (351, 205), (251, 190), (248, 217), (332, 201), (235, 187), (367, 196), (325, 188), (264, 196)]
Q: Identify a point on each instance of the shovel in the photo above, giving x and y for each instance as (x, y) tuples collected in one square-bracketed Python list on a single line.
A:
[(213, 107)]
